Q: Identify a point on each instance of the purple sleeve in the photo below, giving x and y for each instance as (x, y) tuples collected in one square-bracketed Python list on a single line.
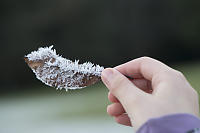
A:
[(176, 123)]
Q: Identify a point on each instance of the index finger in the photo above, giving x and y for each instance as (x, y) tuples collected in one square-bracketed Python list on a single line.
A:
[(145, 67)]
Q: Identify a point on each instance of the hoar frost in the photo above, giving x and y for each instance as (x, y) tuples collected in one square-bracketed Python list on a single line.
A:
[(56, 71)]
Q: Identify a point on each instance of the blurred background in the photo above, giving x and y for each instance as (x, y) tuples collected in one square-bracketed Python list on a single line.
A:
[(104, 32)]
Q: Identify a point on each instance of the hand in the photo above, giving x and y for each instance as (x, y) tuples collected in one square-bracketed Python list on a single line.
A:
[(133, 106)]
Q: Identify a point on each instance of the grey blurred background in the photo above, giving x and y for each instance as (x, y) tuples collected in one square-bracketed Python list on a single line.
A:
[(104, 32)]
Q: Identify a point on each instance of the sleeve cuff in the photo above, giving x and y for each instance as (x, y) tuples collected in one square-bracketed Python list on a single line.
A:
[(175, 123)]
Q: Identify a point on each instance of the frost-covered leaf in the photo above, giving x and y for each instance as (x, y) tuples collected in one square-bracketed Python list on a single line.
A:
[(56, 71)]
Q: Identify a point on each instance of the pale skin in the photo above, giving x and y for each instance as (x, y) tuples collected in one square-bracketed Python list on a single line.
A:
[(155, 91)]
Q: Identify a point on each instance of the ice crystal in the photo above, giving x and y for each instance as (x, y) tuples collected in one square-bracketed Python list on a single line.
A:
[(56, 71)]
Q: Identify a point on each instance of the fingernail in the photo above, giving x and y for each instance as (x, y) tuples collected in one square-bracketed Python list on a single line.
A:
[(107, 75)]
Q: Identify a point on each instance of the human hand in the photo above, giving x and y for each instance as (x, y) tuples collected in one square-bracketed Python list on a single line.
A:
[(133, 106)]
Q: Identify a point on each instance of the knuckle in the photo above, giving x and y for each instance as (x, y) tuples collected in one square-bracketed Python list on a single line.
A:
[(146, 58), (195, 93), (179, 74)]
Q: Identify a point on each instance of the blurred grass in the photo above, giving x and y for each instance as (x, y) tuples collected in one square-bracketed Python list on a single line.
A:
[(86, 102), (45, 110)]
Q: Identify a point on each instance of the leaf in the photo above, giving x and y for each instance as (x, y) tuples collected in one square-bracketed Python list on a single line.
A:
[(58, 72)]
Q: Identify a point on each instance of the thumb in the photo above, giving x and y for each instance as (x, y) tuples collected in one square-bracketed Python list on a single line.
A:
[(121, 87)]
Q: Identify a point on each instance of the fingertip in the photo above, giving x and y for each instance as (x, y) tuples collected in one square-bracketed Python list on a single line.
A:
[(108, 110), (106, 75), (115, 109)]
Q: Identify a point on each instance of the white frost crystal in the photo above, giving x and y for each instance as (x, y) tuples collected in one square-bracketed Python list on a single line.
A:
[(56, 71)]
